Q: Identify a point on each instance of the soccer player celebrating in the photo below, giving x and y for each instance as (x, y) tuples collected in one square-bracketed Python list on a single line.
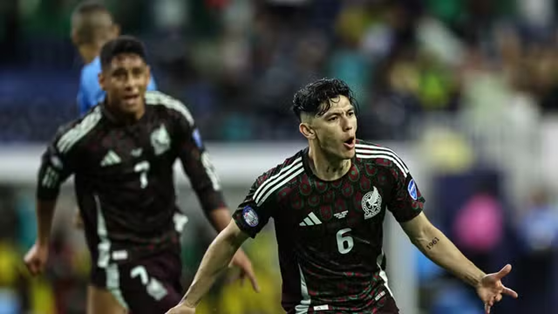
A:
[(122, 154), (328, 202), (92, 27)]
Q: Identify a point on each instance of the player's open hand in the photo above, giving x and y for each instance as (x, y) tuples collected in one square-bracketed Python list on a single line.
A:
[(36, 259), (182, 309), (241, 261), (491, 289)]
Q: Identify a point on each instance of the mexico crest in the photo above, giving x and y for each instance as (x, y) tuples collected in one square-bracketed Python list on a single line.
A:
[(371, 203), (160, 140)]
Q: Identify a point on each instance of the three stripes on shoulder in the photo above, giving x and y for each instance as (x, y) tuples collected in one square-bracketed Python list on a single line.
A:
[(286, 174), (365, 151)]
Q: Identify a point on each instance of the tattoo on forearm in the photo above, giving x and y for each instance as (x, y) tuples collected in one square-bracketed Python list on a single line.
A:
[(431, 244)]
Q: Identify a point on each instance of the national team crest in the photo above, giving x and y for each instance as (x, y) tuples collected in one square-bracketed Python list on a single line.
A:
[(160, 140), (371, 203)]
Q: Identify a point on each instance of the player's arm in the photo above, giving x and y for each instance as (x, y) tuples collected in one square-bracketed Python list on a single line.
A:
[(55, 168), (199, 169), (406, 204), (216, 259), (203, 178), (248, 220), (438, 248)]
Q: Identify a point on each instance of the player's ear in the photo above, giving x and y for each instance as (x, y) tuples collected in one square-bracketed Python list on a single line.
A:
[(148, 71), (116, 30), (307, 131), (102, 80), (75, 36)]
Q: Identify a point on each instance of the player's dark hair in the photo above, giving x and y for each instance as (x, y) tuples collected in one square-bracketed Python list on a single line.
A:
[(121, 45), (87, 33), (315, 97)]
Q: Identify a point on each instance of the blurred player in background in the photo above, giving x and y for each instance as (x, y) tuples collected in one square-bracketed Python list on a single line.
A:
[(122, 154), (92, 27), (328, 203)]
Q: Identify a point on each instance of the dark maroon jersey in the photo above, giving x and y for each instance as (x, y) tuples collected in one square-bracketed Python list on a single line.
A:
[(330, 234), (124, 176)]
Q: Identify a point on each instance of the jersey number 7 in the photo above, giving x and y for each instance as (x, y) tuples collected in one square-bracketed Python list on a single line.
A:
[(142, 167)]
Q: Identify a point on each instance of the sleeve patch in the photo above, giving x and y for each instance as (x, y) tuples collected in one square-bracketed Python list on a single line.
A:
[(250, 216), (412, 189)]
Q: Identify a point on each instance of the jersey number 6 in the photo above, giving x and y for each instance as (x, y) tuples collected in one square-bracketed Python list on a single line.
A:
[(345, 243), (142, 167)]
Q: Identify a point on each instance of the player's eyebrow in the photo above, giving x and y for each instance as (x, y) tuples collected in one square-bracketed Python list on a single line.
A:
[(337, 111)]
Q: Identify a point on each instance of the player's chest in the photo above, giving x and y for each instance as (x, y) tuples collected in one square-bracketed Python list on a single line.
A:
[(126, 148), (358, 199)]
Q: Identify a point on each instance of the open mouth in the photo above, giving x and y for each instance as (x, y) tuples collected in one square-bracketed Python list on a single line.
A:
[(130, 97), (350, 142)]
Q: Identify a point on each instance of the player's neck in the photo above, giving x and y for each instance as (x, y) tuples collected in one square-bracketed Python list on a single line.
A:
[(88, 53), (327, 169), (124, 118)]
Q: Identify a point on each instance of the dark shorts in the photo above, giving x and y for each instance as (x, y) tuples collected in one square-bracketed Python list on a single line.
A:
[(150, 285), (384, 305)]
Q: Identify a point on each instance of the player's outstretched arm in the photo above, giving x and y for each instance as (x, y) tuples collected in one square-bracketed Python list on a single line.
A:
[(205, 182), (36, 258), (56, 166), (216, 259), (438, 248)]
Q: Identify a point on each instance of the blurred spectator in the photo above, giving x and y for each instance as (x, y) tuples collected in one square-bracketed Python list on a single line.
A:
[(479, 227), (538, 232)]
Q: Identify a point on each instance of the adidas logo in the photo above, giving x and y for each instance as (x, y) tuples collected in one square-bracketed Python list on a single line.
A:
[(311, 220), (136, 152), (111, 158)]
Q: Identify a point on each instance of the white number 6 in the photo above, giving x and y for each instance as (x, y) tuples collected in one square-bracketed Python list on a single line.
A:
[(344, 243)]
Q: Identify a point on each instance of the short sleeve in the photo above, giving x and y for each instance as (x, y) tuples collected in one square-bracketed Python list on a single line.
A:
[(406, 200), (254, 212), (57, 164)]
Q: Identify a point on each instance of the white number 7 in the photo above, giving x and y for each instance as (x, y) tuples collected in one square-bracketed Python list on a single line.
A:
[(142, 168)]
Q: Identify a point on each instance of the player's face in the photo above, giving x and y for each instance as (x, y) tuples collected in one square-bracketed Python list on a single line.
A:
[(335, 130), (125, 82)]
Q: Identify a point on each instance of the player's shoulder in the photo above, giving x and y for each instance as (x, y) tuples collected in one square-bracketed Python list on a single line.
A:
[(370, 153), (162, 102), (289, 168), (90, 72), (74, 132)]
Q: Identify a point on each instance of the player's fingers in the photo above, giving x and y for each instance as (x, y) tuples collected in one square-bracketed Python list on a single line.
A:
[(510, 292), (498, 298), (503, 272), (253, 280), (33, 268), (39, 267), (30, 269), (242, 278), (486, 308)]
